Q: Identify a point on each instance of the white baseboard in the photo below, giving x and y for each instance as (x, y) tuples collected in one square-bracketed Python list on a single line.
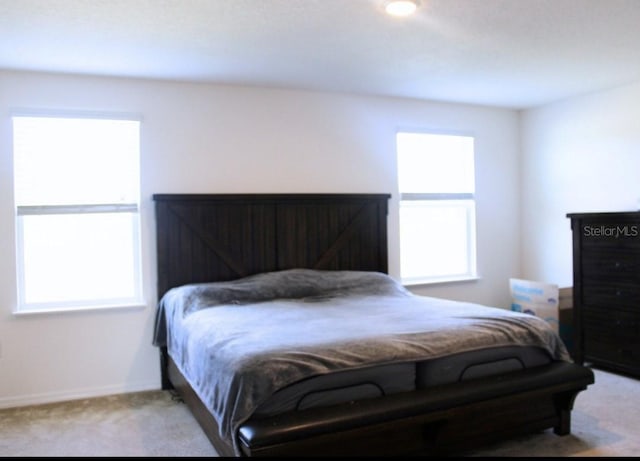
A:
[(75, 394)]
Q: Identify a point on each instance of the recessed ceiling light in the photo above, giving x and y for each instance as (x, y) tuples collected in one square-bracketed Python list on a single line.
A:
[(401, 7)]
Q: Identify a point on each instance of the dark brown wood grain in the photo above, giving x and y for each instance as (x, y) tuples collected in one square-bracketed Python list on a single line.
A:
[(204, 238), (606, 289)]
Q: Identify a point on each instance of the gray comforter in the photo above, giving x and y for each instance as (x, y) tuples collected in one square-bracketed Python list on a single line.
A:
[(239, 342)]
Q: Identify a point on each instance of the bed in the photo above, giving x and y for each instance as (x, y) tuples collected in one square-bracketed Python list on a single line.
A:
[(278, 325)]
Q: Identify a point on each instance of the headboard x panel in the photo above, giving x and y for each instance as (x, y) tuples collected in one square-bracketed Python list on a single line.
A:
[(218, 237)]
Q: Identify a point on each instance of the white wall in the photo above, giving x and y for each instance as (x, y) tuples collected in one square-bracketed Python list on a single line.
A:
[(578, 155), (222, 139)]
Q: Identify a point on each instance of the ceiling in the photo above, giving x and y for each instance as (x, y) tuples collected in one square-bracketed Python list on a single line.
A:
[(506, 53)]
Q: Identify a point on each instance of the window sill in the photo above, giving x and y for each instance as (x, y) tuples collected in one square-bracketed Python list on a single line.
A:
[(61, 310), (441, 281)]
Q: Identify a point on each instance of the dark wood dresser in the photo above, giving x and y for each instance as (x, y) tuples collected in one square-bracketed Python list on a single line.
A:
[(606, 290)]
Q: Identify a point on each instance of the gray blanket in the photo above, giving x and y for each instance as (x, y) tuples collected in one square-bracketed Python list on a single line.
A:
[(239, 342)]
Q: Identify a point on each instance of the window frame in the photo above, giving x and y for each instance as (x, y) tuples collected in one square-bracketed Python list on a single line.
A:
[(468, 202), (132, 207)]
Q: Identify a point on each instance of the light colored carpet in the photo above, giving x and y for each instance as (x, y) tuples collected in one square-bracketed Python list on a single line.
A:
[(136, 424), (605, 423)]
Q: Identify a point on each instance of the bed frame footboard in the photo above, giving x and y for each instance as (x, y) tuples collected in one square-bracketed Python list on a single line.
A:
[(441, 420)]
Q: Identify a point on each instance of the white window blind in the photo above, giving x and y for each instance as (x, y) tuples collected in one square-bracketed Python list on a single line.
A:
[(76, 188), (437, 207)]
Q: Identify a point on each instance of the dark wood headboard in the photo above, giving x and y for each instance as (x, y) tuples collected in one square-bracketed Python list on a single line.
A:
[(218, 237)]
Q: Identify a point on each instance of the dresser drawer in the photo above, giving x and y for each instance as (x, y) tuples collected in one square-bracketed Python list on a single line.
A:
[(611, 295), (611, 325), (607, 234), (613, 354), (615, 264)]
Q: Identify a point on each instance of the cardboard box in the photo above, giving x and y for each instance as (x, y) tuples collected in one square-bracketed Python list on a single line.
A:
[(536, 298)]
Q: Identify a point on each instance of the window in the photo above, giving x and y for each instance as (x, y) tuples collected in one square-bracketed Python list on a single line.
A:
[(76, 189), (437, 207)]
